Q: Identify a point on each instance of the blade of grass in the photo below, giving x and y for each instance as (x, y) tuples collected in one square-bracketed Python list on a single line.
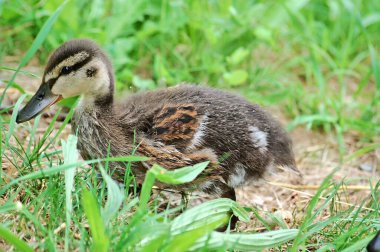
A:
[(300, 238), (54, 170), (63, 125), (35, 220), (115, 197), (20, 71), (70, 155), (375, 66), (51, 127), (363, 151), (19, 244), (359, 245), (10, 206), (91, 208), (12, 122), (33, 133)]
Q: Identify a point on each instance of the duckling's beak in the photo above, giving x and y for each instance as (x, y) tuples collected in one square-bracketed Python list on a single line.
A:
[(42, 99)]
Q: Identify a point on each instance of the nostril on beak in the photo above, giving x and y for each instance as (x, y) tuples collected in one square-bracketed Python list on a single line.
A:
[(41, 96)]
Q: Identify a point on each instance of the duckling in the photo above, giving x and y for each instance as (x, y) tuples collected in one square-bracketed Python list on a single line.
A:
[(174, 127)]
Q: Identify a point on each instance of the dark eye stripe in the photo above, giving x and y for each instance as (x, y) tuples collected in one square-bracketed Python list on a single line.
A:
[(51, 82), (72, 68), (68, 69)]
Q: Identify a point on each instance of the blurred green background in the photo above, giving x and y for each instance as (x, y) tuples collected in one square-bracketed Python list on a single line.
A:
[(318, 60), (314, 61)]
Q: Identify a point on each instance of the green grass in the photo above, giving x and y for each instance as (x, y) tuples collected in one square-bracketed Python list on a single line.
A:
[(332, 83), (316, 60)]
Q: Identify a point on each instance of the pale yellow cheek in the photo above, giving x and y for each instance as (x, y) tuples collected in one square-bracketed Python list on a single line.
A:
[(69, 86), (79, 83)]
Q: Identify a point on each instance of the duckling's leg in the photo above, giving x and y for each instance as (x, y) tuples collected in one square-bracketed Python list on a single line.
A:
[(219, 189)]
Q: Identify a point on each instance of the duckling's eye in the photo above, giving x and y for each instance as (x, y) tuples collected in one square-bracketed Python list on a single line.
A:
[(66, 70)]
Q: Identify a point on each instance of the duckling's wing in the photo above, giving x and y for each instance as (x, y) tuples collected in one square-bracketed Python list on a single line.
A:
[(171, 158), (176, 124)]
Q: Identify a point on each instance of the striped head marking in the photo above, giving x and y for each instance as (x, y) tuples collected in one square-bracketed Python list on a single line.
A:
[(78, 67)]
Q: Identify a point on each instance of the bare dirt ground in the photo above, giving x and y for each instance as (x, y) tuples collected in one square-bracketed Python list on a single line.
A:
[(286, 194)]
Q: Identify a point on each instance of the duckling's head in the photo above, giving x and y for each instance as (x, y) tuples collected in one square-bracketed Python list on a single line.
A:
[(77, 68)]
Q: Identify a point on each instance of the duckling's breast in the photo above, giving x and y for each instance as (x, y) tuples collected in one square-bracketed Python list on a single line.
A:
[(99, 136)]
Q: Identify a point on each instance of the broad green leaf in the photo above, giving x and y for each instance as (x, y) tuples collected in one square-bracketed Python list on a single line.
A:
[(153, 243), (146, 232), (245, 242), (238, 56), (178, 176), (263, 33), (208, 212), (239, 212), (142, 84), (236, 78), (183, 241)]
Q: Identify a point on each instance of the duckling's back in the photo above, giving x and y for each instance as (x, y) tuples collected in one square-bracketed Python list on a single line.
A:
[(246, 139)]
